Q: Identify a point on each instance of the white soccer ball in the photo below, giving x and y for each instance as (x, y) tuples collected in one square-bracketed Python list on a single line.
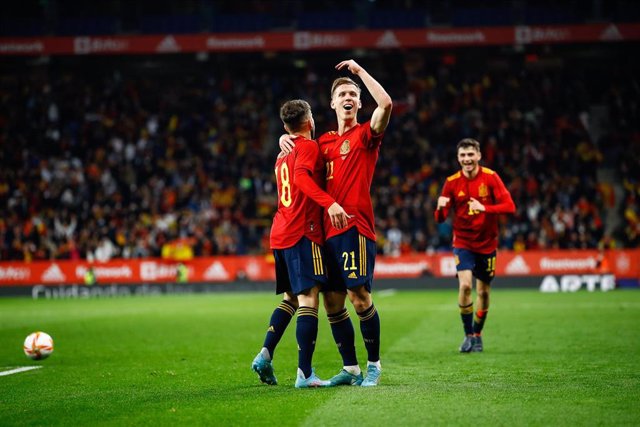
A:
[(38, 345)]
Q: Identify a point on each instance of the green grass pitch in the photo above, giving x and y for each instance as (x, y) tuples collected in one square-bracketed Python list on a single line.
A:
[(550, 359)]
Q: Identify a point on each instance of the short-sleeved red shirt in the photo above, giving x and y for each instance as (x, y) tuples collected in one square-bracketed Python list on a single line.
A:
[(350, 160)]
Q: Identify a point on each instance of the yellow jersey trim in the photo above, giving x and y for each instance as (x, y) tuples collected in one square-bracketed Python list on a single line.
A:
[(454, 176), (487, 171)]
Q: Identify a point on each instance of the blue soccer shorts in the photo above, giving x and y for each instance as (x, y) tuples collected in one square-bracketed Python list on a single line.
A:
[(300, 267), (351, 258), (483, 266)]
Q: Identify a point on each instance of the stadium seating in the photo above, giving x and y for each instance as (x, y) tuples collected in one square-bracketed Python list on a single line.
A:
[(120, 156)]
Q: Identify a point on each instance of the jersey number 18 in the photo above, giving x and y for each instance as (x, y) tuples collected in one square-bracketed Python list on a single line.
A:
[(285, 185)]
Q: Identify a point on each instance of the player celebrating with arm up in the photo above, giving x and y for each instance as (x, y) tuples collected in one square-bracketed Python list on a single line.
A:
[(476, 195), (296, 239), (351, 154)]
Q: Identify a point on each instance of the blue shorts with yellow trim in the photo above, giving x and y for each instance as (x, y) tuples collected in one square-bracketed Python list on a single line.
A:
[(351, 258), (483, 266), (300, 267)]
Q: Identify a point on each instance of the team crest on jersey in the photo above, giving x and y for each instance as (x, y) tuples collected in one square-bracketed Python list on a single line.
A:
[(345, 148), (461, 193), (483, 191)]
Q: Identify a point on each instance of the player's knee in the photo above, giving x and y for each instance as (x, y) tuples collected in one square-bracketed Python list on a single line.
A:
[(361, 299), (361, 305), (333, 302), (465, 287), (291, 299)]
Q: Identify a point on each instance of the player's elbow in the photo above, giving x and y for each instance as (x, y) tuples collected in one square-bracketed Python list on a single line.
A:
[(386, 103)]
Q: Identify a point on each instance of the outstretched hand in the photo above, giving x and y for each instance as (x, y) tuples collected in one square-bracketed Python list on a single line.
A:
[(351, 65)]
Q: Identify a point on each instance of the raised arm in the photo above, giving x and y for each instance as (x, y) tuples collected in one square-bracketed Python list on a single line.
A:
[(382, 113)]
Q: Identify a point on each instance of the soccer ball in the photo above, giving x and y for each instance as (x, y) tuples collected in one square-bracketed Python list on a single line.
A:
[(38, 345)]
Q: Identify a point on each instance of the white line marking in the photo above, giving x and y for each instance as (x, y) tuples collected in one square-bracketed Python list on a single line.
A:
[(18, 370)]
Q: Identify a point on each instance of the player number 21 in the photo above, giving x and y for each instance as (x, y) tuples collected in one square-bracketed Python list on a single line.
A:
[(285, 185), (346, 256)]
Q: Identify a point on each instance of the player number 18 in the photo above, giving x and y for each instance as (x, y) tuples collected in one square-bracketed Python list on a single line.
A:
[(285, 185)]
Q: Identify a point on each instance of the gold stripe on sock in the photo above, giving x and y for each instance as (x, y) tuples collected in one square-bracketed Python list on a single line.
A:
[(466, 309), (308, 311), (339, 317), (287, 307), (364, 317)]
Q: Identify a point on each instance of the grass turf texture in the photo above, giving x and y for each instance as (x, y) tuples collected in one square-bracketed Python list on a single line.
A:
[(550, 359)]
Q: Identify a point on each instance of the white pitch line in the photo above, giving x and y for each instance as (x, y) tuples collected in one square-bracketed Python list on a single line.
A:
[(18, 370)]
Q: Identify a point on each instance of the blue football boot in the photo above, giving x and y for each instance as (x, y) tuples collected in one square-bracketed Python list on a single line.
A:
[(264, 369), (312, 381), (373, 376), (345, 378)]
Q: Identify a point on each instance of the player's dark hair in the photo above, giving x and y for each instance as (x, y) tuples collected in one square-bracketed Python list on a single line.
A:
[(294, 113), (343, 81), (468, 143)]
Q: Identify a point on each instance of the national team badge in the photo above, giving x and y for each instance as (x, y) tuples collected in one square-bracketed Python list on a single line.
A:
[(345, 147), (483, 191)]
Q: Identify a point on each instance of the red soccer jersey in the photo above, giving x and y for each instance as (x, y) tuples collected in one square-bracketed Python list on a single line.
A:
[(350, 160), (298, 215), (474, 230)]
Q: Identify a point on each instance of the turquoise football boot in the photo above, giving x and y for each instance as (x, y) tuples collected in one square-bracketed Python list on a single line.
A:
[(264, 369)]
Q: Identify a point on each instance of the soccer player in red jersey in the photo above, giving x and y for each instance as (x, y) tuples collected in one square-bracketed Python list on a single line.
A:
[(350, 156), (477, 196), (296, 239)]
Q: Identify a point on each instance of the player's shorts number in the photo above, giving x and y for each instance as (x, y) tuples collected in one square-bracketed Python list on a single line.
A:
[(346, 256), (285, 185), (491, 266)]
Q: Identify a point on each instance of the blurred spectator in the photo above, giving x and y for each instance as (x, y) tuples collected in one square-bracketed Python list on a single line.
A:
[(121, 164)]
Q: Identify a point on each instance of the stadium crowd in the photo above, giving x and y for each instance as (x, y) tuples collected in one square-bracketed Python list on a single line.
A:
[(127, 163)]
